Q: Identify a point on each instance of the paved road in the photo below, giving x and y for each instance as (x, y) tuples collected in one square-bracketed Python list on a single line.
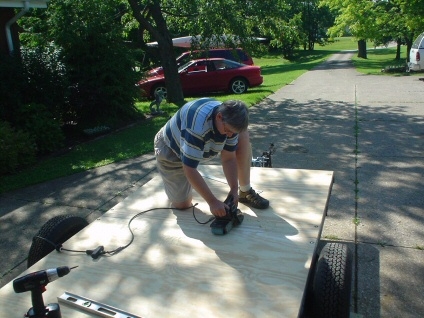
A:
[(368, 129)]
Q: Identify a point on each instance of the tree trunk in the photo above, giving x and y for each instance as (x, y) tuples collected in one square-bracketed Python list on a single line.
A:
[(166, 50), (408, 50), (409, 41), (398, 44), (362, 49), (169, 63)]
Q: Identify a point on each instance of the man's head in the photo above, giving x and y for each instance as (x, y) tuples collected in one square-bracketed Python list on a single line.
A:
[(233, 113)]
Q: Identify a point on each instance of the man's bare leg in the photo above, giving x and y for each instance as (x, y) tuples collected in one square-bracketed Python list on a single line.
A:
[(244, 159), (183, 205)]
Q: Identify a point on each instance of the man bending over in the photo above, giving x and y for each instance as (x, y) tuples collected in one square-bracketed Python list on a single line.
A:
[(199, 131)]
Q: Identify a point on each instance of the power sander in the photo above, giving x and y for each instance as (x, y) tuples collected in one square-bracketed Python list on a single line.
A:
[(234, 217)]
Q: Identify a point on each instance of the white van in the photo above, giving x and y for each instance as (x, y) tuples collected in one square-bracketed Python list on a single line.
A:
[(416, 55)]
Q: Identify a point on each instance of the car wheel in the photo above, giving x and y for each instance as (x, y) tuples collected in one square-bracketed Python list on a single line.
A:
[(332, 282), (52, 234), (238, 86), (160, 88)]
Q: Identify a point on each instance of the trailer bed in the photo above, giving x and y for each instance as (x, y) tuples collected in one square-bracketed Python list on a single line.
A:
[(176, 267)]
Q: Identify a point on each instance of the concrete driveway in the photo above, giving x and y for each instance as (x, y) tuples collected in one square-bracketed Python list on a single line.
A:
[(370, 131)]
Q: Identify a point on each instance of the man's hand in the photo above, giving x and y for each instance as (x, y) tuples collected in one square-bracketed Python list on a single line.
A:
[(218, 208)]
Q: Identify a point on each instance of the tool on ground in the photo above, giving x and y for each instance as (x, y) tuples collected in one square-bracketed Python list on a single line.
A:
[(234, 217), (93, 307), (36, 283), (265, 160)]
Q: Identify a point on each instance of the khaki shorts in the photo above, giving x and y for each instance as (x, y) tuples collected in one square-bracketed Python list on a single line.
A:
[(170, 167)]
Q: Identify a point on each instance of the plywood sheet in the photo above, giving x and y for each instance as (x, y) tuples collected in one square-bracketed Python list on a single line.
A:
[(176, 267)]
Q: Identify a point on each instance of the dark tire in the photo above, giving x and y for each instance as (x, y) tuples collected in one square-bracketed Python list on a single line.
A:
[(238, 86), (52, 234), (332, 282), (160, 88)]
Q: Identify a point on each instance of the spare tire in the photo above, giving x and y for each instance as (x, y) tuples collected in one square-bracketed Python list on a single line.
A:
[(52, 234), (332, 282)]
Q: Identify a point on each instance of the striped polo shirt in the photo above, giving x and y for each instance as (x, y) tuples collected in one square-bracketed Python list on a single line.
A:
[(192, 135)]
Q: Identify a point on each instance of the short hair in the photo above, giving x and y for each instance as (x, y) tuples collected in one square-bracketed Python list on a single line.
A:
[(235, 113)]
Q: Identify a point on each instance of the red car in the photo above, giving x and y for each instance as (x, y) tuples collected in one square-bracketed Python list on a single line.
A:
[(207, 75)]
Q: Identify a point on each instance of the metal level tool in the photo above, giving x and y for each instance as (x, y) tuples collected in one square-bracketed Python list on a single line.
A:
[(93, 306)]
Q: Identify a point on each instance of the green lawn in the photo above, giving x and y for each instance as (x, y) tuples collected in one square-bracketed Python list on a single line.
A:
[(381, 58), (137, 139)]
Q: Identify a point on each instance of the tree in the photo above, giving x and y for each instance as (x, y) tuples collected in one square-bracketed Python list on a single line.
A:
[(393, 26), (356, 16), (150, 17), (414, 12), (378, 20), (411, 12), (98, 66), (164, 19), (315, 20)]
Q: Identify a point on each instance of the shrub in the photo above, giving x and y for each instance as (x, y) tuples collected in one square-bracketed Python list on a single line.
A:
[(46, 78), (99, 66), (43, 128), (17, 149)]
